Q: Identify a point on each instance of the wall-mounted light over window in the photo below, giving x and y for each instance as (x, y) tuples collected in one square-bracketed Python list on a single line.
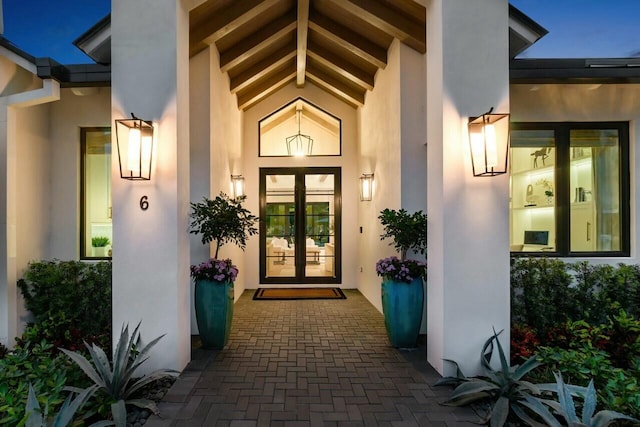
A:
[(366, 187), (489, 142), (135, 147), (237, 185), (299, 145)]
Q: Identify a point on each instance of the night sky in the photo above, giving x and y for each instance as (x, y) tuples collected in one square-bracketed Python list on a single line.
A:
[(577, 28)]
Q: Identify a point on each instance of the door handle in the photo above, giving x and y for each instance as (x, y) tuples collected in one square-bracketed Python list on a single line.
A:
[(588, 231)]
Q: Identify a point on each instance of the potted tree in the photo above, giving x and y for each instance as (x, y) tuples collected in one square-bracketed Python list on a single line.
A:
[(221, 220), (402, 279)]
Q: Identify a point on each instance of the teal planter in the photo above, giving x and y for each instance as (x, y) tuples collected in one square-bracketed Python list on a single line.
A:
[(214, 312), (402, 307)]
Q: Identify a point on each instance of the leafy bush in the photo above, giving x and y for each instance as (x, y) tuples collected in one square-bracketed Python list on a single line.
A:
[(32, 365), (69, 297), (541, 293), (622, 391), (99, 242)]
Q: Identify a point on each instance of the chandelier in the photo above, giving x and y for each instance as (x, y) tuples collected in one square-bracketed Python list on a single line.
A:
[(299, 145)]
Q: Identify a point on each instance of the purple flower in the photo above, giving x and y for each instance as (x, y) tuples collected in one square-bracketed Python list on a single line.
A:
[(215, 270), (403, 271)]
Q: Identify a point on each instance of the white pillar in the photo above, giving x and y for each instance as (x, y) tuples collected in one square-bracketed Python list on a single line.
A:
[(150, 77), (468, 285)]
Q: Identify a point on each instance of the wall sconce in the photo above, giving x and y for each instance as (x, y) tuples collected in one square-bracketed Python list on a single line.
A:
[(135, 147), (489, 143), (366, 187), (237, 185)]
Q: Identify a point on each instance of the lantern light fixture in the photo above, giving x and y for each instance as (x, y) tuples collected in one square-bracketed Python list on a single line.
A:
[(134, 137), (299, 145), (237, 186), (489, 143), (366, 187)]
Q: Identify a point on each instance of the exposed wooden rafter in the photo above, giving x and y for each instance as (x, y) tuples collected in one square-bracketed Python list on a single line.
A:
[(265, 86), (336, 44), (303, 30)]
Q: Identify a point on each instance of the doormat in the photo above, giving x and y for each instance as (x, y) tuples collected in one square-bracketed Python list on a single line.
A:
[(298, 293)]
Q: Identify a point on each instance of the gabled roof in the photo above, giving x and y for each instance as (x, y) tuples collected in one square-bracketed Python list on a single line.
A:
[(336, 44)]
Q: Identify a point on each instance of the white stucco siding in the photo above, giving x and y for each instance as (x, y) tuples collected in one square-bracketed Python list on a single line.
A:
[(380, 153), (68, 116), (347, 161), (226, 155), (468, 278), (588, 103)]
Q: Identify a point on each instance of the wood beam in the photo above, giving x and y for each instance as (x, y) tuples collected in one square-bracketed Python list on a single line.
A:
[(224, 21), (348, 39), (390, 20), (257, 41), (336, 86), (341, 66), (266, 86), (303, 34), (262, 68)]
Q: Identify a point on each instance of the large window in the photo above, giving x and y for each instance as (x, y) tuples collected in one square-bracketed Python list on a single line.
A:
[(95, 187), (570, 189)]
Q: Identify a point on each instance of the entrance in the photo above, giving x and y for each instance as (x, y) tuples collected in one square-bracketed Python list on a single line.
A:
[(300, 227)]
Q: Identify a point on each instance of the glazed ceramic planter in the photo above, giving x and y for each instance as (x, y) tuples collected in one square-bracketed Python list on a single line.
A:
[(214, 312), (402, 305)]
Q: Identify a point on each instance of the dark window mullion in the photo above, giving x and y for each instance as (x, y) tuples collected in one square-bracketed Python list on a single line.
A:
[(563, 183)]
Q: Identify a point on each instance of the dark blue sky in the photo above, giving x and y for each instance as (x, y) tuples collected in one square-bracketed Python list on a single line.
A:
[(577, 28)]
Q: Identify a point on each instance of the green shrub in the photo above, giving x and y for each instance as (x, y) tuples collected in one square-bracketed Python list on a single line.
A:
[(578, 366), (602, 290), (541, 293), (48, 374), (69, 295), (622, 391)]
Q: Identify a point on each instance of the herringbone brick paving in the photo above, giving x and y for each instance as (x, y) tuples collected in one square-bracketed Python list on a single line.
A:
[(308, 363)]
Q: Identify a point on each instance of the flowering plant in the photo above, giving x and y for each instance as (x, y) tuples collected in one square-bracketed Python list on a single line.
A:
[(406, 271), (215, 270)]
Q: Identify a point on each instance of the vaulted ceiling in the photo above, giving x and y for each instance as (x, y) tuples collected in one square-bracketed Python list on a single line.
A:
[(338, 45)]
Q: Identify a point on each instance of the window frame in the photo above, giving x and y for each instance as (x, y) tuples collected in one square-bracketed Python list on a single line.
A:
[(562, 135), (83, 215)]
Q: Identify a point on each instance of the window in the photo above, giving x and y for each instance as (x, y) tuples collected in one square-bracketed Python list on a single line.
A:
[(299, 129), (570, 189), (95, 187)]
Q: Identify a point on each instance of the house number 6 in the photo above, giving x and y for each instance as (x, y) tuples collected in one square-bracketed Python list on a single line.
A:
[(144, 204)]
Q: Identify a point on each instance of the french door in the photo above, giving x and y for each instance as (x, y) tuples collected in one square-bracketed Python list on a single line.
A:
[(300, 225)]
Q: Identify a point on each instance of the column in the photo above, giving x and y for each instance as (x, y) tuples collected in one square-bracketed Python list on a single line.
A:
[(150, 77), (468, 286)]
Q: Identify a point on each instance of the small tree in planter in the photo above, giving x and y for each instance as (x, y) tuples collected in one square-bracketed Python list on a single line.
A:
[(221, 220), (402, 288)]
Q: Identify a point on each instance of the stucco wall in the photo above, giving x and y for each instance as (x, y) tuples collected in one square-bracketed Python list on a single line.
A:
[(587, 103), (380, 154), (350, 174), (226, 153), (72, 112)]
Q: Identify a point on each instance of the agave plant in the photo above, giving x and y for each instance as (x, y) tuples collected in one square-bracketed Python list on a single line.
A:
[(36, 417), (117, 381), (566, 407), (505, 388)]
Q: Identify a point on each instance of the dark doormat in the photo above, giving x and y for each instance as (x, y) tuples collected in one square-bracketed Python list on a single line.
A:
[(298, 293)]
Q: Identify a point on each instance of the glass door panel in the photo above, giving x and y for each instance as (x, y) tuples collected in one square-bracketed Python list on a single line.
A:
[(280, 225), (319, 225)]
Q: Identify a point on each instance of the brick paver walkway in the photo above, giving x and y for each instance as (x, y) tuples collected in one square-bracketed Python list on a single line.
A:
[(308, 363)]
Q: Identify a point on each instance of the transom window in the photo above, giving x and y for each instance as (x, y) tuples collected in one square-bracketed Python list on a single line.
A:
[(300, 129), (570, 189)]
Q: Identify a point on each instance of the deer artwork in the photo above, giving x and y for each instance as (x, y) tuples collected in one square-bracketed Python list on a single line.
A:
[(540, 153)]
